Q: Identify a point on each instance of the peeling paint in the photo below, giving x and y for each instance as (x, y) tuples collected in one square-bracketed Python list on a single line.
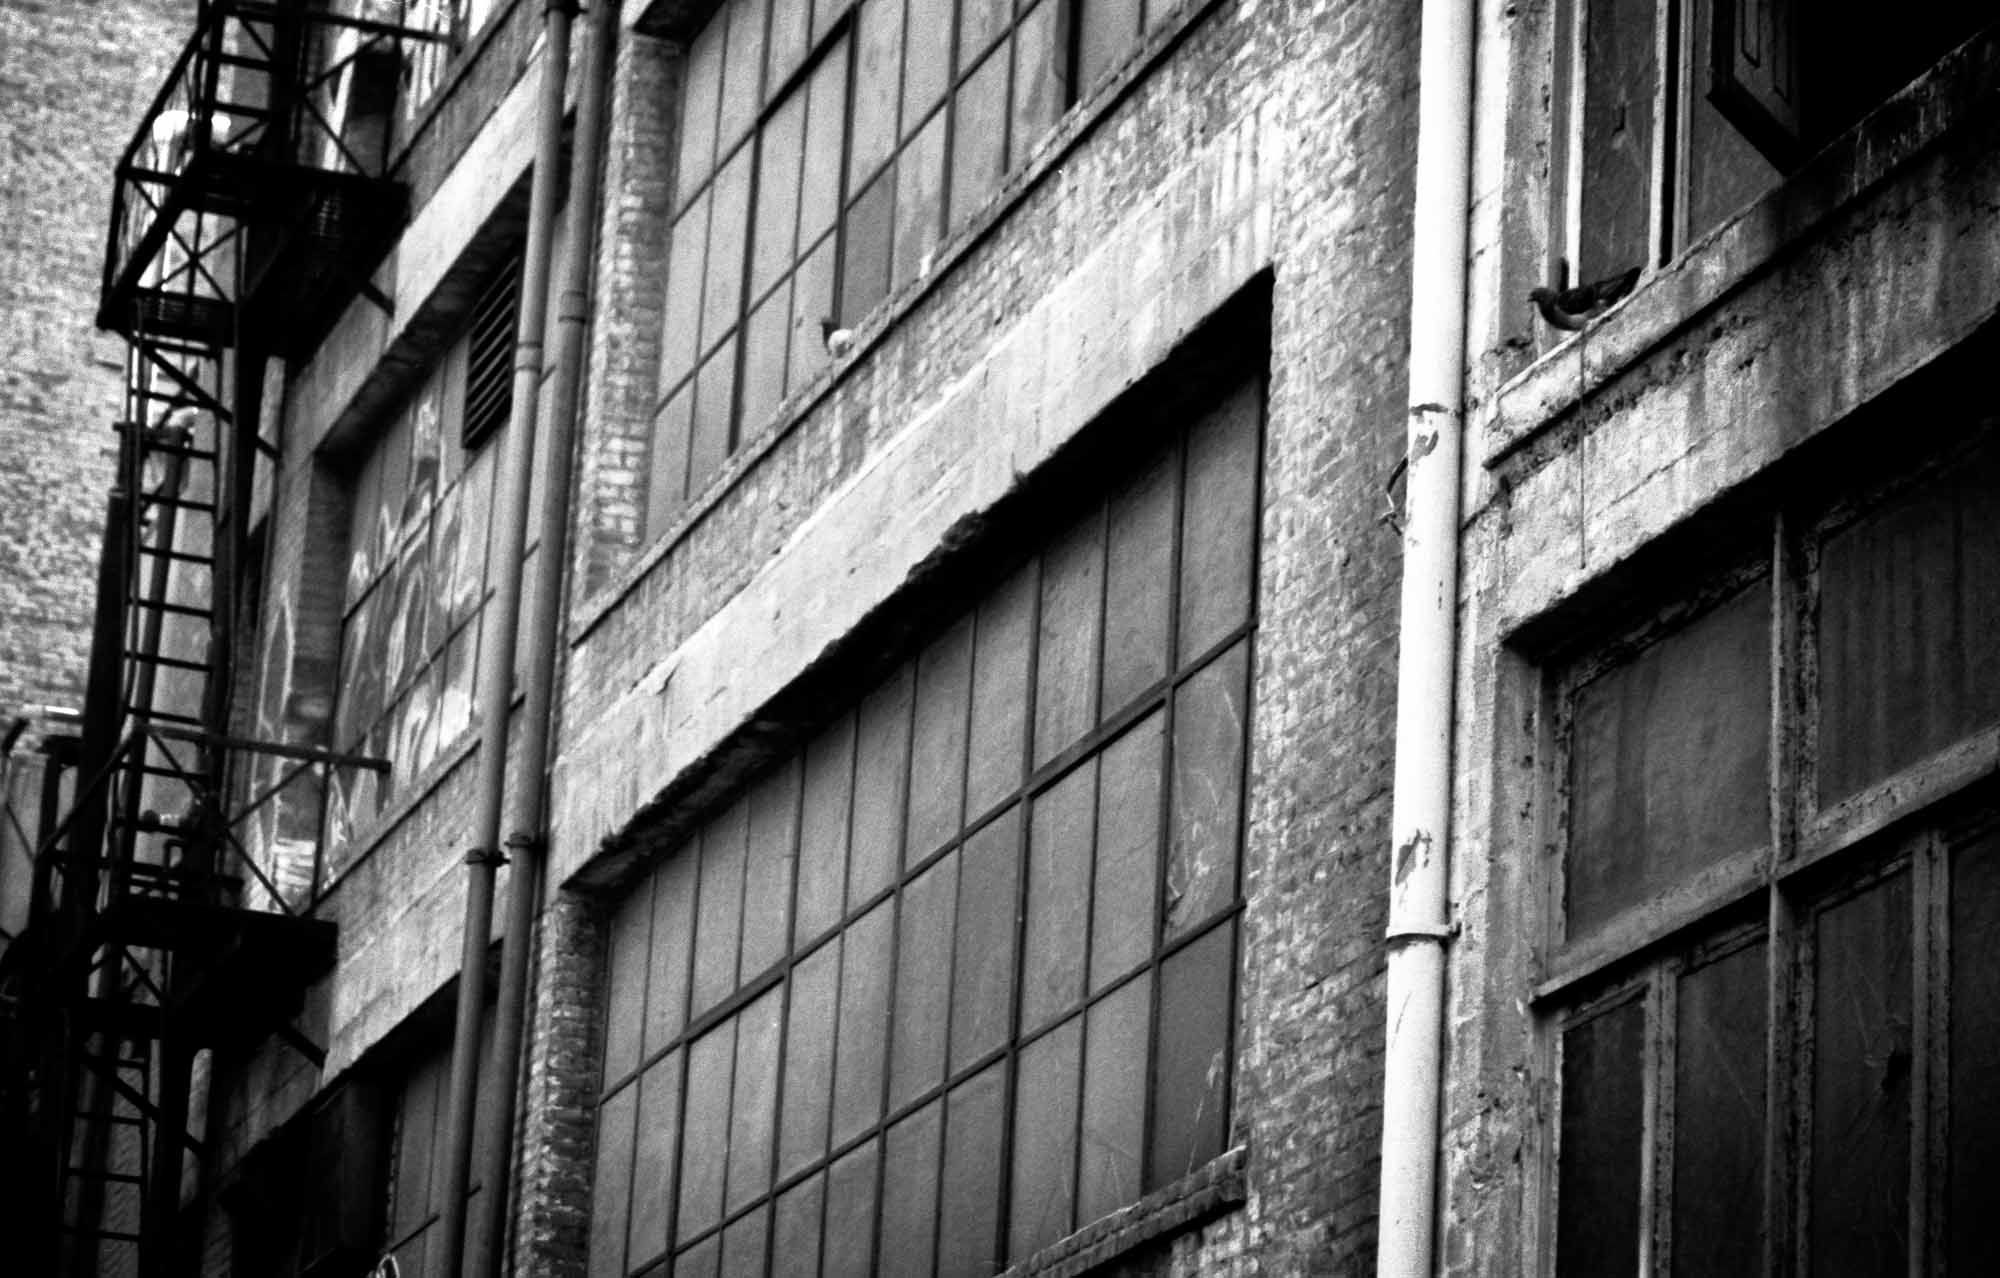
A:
[(1407, 853)]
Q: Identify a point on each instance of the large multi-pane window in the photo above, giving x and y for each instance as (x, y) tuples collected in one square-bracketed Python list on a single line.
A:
[(1775, 952), (957, 978), (827, 148), (417, 1114)]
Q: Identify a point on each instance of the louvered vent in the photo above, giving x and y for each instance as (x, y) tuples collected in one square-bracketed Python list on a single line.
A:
[(489, 367)]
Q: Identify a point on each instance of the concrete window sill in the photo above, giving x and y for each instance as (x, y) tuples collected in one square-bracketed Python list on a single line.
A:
[(1215, 1189), (1962, 87)]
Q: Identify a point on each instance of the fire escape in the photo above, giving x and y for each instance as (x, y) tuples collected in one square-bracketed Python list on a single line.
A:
[(249, 207)]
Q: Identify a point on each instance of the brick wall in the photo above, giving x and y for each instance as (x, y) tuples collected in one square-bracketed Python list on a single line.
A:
[(74, 79)]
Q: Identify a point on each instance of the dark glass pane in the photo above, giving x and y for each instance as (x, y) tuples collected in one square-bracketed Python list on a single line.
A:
[(1209, 715), (624, 1012), (926, 59), (826, 130), (1128, 852), (850, 1215), (881, 769), (1909, 602), (1603, 1110), (767, 885), (764, 359), (1138, 585), (1669, 768), (742, 70), (714, 415), (700, 100), (609, 1186), (982, 976), (1106, 31), (1114, 1101), (979, 137), (878, 78), (686, 267), (653, 1164), (1725, 172), (999, 693), (909, 1195), (865, 278), (753, 1108), (1620, 77), (1974, 1246), (416, 1139), (808, 1059), (1066, 660), (705, 1130), (673, 927), (1041, 83), (728, 235), (795, 1231), (1191, 1058), (864, 1024), (969, 1220), (1058, 897), (719, 909), (919, 204), (829, 784), (779, 149), (937, 756), (1860, 1208), (923, 982), (743, 1246), (1045, 1130), (1719, 1118), (1219, 522), (666, 485)]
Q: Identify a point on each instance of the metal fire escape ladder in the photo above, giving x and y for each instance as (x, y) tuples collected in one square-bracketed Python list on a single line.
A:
[(247, 196)]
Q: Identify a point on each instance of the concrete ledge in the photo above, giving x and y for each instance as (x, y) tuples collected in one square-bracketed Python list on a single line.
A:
[(1219, 1187), (1155, 279)]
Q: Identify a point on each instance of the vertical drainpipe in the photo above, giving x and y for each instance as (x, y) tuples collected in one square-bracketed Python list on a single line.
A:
[(505, 550), (527, 840), (1419, 918)]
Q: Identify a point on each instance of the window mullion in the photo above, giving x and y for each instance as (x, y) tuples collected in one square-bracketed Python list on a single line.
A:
[(1930, 1063), (1661, 167), (1656, 1131)]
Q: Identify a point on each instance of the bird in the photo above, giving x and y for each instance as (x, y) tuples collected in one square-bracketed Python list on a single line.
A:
[(1572, 308), (839, 340)]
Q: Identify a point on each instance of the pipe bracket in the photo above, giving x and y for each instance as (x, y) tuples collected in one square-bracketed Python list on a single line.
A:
[(1439, 932), (486, 856)]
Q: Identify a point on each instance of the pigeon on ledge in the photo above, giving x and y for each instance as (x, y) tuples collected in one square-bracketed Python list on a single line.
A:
[(1572, 308), (838, 340)]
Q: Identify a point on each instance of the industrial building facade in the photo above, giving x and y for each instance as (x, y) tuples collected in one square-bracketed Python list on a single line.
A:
[(874, 530)]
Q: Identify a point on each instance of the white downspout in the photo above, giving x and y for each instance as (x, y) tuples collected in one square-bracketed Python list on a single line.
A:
[(1419, 915)]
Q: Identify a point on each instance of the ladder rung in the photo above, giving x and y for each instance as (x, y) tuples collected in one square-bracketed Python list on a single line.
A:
[(181, 450), (173, 663), (177, 556), (115, 1235), (115, 1120), (163, 716), (109, 1178), (179, 503), (161, 605)]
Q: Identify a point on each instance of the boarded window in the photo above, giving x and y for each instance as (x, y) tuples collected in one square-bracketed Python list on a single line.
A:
[(902, 990)]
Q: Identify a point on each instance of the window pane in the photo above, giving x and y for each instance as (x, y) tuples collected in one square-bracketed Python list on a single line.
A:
[(795, 1232), (850, 1215), (829, 782), (764, 356), (1725, 172), (743, 1246), (1620, 78), (923, 982), (1106, 30), (714, 411), (877, 87), (919, 203), (881, 765), (1909, 600), (703, 1260), (779, 147), (1719, 1118), (999, 693), (609, 1186), (1974, 1246), (729, 228), (753, 1107), (983, 963), (1059, 841), (866, 278), (1219, 523), (1114, 1101), (742, 70), (970, 1216), (864, 1024), (1191, 1062), (706, 1130), (909, 1194), (673, 918), (1045, 1130), (720, 910), (1861, 1083), (791, 32), (1137, 585), (979, 137), (1041, 88), (1597, 1208), (812, 305), (653, 1165), (624, 1011), (767, 888), (1066, 660), (808, 1059), (826, 132), (1669, 771), (700, 102), (687, 266), (980, 23), (926, 60), (1209, 721), (937, 755), (1128, 853), (666, 487)]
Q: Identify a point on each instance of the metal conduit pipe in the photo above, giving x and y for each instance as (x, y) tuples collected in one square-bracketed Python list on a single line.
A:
[(505, 549), (1419, 911), (528, 840)]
